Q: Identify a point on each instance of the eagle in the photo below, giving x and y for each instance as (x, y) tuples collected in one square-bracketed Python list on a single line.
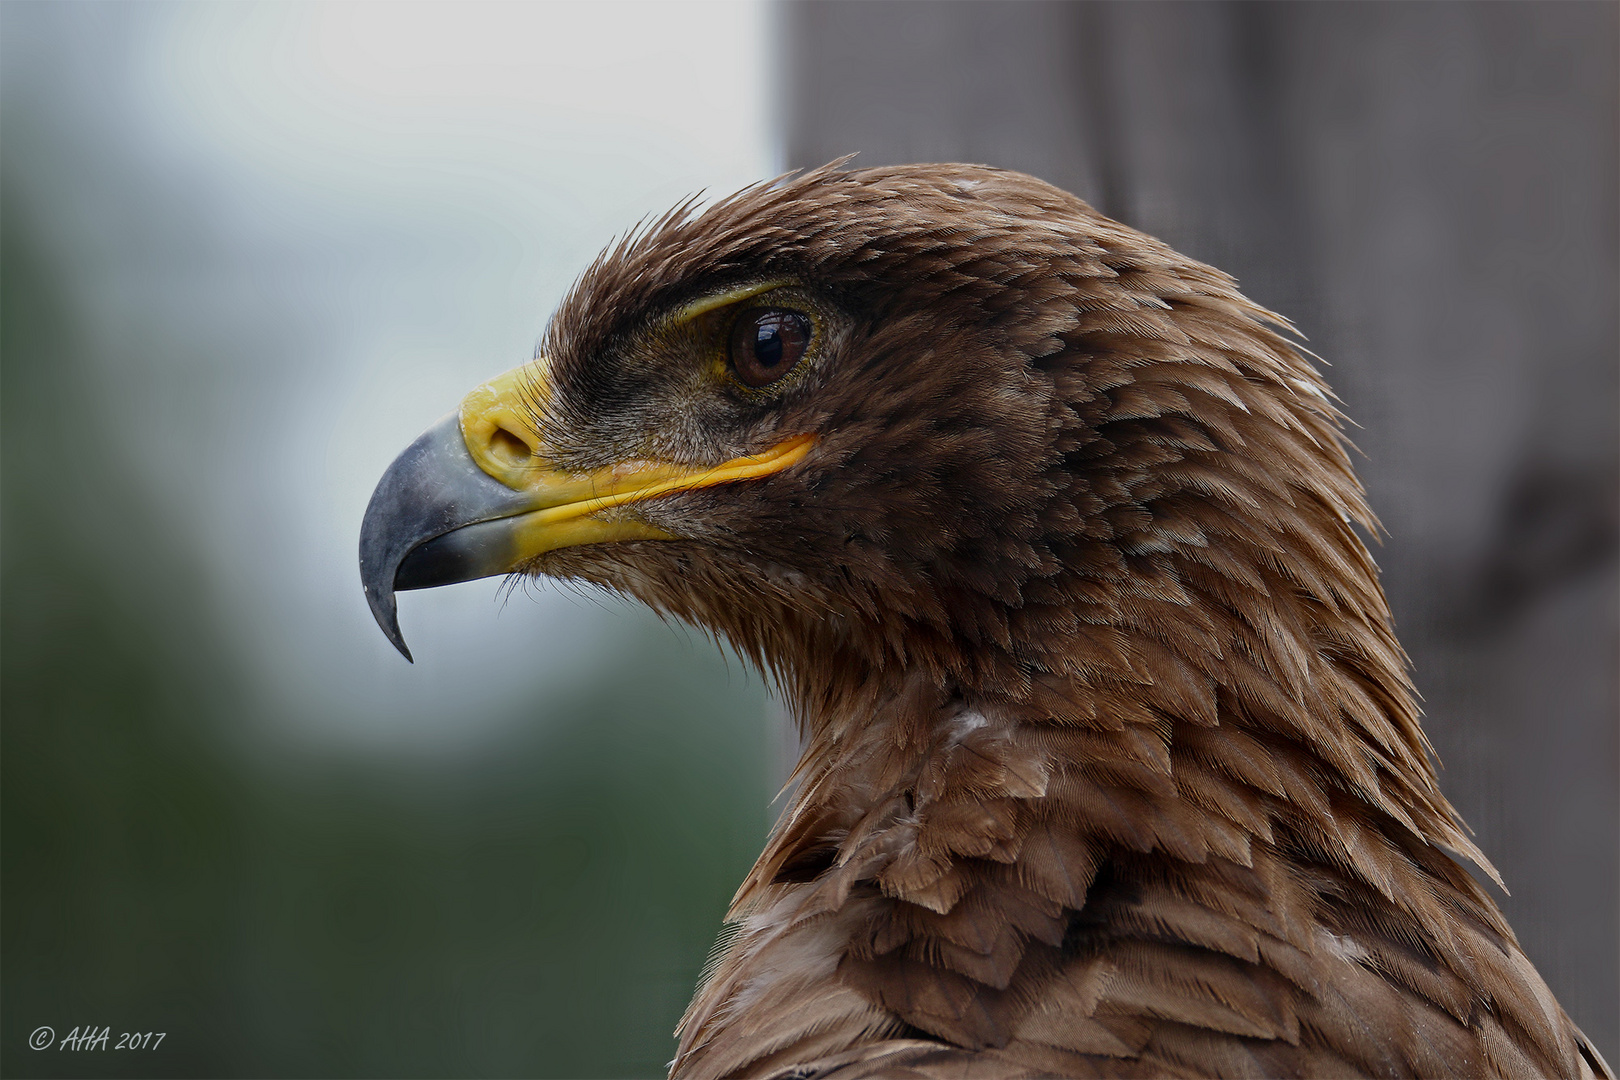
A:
[(1111, 764)]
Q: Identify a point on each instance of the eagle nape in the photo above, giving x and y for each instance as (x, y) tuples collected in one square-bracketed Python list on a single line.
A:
[(1111, 761)]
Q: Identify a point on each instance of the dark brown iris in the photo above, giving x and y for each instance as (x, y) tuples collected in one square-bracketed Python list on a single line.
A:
[(766, 343)]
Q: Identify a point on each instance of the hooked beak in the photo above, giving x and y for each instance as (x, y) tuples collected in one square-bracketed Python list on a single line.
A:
[(474, 497)]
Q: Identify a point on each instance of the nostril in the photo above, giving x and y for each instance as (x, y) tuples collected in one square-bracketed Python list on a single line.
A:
[(507, 448)]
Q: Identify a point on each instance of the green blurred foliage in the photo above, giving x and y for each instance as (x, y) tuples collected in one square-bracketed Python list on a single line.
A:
[(541, 908)]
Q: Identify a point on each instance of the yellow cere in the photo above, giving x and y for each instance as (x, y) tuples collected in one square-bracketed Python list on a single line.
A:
[(496, 424)]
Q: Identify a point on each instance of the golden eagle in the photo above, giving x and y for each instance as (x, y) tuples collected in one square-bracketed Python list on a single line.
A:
[(1111, 764)]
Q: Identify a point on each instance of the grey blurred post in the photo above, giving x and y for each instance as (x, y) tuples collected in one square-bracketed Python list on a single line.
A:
[(1429, 192)]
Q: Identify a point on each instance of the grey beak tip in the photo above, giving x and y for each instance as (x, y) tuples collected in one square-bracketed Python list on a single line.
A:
[(435, 518), (386, 611)]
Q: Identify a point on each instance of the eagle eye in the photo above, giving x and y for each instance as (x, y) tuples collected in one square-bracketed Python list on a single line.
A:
[(766, 343)]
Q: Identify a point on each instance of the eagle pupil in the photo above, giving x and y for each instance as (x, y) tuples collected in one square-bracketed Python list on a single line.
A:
[(767, 342), (768, 347)]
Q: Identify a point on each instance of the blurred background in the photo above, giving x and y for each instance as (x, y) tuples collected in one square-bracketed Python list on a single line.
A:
[(250, 251)]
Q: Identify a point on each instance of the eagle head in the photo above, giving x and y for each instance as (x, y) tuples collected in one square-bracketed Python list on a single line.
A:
[(860, 420)]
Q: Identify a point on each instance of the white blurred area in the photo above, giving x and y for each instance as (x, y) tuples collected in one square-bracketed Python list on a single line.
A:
[(341, 217)]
